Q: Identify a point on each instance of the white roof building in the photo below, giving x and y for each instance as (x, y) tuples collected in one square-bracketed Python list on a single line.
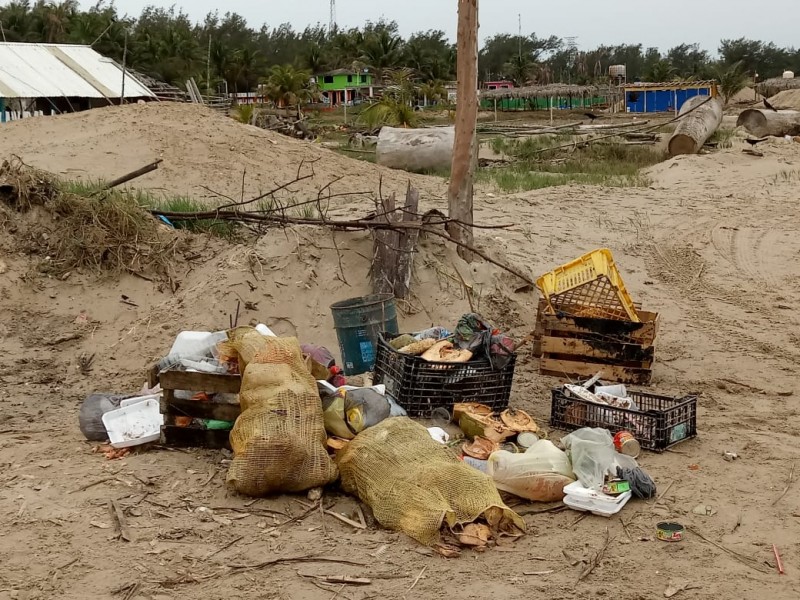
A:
[(63, 71)]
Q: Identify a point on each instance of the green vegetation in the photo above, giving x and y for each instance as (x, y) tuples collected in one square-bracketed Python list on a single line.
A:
[(165, 43), (610, 164), (723, 137), (93, 191), (732, 80)]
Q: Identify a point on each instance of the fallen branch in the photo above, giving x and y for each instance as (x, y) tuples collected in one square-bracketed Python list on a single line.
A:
[(595, 561), (119, 517), (788, 485), (294, 559), (89, 485), (745, 560), (132, 175)]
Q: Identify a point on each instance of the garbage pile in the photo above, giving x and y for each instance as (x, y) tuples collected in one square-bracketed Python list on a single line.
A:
[(448, 481)]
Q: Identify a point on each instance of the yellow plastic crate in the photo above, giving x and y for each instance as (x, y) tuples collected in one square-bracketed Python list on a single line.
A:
[(590, 286)]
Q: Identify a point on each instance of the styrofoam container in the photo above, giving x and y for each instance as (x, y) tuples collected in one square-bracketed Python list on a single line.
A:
[(134, 425), (597, 503), (137, 399)]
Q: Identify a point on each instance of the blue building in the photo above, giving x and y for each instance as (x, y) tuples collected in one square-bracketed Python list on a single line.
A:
[(665, 97)]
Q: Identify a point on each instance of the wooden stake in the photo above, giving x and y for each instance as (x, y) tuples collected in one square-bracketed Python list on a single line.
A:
[(462, 172)]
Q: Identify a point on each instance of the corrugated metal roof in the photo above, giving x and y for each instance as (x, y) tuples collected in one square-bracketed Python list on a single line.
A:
[(57, 70)]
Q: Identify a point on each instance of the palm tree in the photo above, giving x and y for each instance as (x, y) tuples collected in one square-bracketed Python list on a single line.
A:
[(382, 51), (433, 91), (287, 86), (396, 107), (662, 71), (731, 80), (519, 69)]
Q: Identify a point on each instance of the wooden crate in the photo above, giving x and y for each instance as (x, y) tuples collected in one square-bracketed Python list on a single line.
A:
[(578, 348), (219, 410)]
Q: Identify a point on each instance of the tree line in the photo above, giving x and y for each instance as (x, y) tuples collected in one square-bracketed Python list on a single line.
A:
[(223, 52)]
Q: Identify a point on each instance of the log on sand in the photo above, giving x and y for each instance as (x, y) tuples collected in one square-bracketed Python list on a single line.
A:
[(762, 123), (416, 149), (694, 130)]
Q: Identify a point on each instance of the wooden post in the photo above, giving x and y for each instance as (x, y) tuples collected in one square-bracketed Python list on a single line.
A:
[(393, 250), (465, 148)]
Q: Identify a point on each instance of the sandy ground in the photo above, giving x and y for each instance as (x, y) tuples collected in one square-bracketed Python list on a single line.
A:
[(712, 245)]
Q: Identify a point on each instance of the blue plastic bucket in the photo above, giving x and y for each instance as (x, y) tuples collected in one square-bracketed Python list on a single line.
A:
[(358, 322)]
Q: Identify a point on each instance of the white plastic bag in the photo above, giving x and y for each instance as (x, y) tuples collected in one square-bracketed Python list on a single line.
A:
[(540, 474), (592, 454)]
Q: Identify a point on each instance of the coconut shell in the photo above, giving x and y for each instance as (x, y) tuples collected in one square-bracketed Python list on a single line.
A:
[(519, 421), (444, 351), (474, 535), (472, 408), (417, 348), (480, 448), (478, 426)]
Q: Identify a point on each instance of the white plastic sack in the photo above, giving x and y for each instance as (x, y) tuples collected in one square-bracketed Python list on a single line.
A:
[(540, 474), (593, 456)]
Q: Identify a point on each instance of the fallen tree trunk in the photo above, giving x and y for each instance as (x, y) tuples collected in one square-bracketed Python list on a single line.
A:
[(694, 130), (416, 149), (763, 123)]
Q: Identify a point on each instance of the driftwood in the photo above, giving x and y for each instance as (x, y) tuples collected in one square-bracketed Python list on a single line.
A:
[(415, 149), (394, 250), (695, 129), (132, 175), (763, 123)]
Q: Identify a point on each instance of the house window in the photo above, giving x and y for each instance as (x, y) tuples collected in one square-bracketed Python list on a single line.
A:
[(349, 79), (327, 79), (363, 79)]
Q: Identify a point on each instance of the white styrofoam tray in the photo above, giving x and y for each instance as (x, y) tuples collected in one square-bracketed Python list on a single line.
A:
[(137, 399), (134, 425), (597, 503)]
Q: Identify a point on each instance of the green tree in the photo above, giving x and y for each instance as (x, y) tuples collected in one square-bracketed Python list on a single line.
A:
[(498, 51), (287, 86), (689, 61), (662, 71), (396, 107), (732, 80)]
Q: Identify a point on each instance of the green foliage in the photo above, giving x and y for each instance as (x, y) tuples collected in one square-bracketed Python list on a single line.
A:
[(244, 113), (723, 137), (287, 86), (165, 43), (396, 107), (615, 165), (732, 80)]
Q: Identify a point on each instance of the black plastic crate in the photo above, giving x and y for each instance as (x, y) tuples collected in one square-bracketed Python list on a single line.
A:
[(420, 386), (660, 423)]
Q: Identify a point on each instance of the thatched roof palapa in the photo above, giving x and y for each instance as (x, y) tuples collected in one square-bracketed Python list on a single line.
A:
[(770, 87), (556, 90)]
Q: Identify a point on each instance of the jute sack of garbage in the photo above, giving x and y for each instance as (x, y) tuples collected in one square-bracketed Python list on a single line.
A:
[(416, 485), (279, 438)]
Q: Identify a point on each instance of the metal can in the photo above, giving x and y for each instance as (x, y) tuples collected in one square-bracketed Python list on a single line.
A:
[(626, 444), (670, 532)]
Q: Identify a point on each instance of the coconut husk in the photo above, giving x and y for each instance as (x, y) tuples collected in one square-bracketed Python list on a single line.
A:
[(472, 408), (417, 348), (488, 427), (480, 448), (444, 351), (519, 421), (476, 535)]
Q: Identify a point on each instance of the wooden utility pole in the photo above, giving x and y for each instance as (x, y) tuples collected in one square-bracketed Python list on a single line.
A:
[(465, 147)]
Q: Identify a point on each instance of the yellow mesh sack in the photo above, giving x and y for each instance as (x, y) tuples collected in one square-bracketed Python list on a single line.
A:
[(279, 438), (416, 485)]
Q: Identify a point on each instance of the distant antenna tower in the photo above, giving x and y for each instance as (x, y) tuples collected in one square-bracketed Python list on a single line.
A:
[(332, 22)]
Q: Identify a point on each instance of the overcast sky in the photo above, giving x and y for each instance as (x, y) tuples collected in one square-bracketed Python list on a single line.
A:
[(653, 23)]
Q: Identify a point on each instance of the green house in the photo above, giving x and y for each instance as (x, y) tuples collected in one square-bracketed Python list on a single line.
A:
[(345, 86)]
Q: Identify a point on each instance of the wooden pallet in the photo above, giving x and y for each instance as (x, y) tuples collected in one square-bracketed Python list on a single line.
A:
[(577, 348), (219, 410)]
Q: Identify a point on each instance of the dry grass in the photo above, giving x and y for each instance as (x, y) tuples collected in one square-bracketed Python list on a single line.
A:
[(107, 232)]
